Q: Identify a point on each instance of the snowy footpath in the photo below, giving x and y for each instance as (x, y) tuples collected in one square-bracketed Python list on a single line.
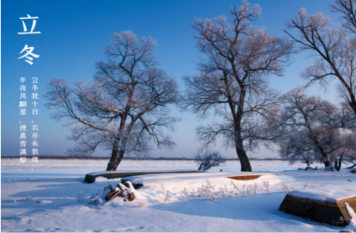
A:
[(51, 196)]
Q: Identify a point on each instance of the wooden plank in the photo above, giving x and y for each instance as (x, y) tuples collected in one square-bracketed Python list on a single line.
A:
[(308, 200), (90, 177), (341, 204), (244, 177)]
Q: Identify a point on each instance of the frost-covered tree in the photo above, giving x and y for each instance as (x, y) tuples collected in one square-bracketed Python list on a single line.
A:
[(312, 128), (125, 108), (297, 148), (209, 160), (333, 47), (236, 60)]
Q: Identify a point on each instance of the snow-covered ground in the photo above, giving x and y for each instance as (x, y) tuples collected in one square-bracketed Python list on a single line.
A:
[(50, 196)]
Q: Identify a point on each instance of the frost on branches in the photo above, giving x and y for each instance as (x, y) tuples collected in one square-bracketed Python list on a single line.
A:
[(232, 81), (125, 108), (313, 131)]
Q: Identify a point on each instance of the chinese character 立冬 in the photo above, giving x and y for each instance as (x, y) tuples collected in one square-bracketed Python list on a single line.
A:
[(35, 87), (35, 80), (34, 21), (28, 52)]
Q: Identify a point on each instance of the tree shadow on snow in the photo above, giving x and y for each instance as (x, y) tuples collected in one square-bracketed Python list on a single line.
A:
[(42, 196), (252, 208)]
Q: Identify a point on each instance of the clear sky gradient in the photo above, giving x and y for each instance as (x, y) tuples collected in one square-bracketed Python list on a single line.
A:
[(74, 33)]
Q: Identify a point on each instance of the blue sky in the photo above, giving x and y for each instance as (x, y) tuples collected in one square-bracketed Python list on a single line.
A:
[(74, 33)]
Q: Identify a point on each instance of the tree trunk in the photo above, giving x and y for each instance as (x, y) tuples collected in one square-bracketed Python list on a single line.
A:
[(337, 165), (308, 166), (241, 153), (244, 161), (121, 155), (326, 160), (114, 161), (353, 106), (328, 164), (111, 165)]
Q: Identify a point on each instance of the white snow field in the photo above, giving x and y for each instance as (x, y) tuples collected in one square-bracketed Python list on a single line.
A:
[(51, 196)]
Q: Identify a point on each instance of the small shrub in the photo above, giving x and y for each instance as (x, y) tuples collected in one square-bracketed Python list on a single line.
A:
[(95, 199), (108, 187), (305, 186), (184, 197), (236, 187), (28, 198), (80, 198), (209, 160), (284, 187), (140, 204), (167, 197), (266, 185)]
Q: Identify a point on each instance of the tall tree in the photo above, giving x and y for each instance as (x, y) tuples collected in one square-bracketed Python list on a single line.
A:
[(334, 48), (125, 107), (236, 60)]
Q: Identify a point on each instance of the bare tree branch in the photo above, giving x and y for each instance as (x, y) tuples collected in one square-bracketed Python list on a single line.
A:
[(336, 51)]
